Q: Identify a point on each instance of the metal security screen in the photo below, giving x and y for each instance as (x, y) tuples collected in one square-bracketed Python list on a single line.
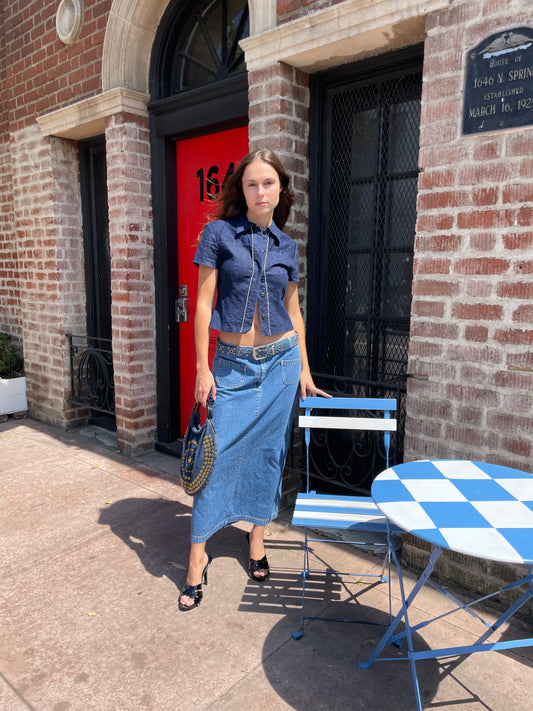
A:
[(374, 158), (364, 172)]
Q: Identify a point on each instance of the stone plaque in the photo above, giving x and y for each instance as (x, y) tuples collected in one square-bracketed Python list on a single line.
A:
[(499, 82)]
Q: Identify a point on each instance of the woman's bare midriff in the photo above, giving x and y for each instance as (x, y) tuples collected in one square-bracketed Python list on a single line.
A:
[(253, 337)]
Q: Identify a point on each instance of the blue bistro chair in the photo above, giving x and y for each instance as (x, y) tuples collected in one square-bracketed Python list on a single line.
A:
[(357, 516)]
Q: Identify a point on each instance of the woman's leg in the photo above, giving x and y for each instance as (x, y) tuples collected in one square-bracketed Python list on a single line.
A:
[(197, 561), (257, 549)]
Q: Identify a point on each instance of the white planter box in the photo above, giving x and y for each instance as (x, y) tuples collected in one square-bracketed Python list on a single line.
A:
[(13, 396)]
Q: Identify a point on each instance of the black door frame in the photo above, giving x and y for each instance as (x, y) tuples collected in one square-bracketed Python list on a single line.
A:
[(183, 116), (95, 236), (321, 86)]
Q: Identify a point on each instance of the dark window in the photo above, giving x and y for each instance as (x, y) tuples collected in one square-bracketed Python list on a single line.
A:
[(363, 188), (200, 45)]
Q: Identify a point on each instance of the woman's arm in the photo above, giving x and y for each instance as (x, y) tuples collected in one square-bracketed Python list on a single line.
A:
[(292, 304), (207, 284)]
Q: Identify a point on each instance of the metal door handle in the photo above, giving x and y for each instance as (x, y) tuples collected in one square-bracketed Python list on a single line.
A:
[(182, 305)]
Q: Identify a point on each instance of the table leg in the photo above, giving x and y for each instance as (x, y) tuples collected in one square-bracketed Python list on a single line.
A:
[(528, 595), (389, 637)]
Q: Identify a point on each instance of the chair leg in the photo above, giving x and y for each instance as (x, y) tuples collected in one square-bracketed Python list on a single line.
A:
[(305, 575)]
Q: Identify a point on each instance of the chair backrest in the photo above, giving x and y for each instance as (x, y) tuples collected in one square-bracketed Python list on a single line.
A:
[(386, 423)]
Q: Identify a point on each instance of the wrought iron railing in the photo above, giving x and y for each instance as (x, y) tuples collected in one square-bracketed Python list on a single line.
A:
[(91, 373), (348, 460)]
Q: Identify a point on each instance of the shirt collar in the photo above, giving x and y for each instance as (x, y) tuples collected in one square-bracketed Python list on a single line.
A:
[(243, 224)]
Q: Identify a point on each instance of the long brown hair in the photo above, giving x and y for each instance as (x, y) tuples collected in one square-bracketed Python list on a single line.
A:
[(231, 201)]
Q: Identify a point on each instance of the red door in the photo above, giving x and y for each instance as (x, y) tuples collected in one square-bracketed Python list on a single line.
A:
[(203, 163)]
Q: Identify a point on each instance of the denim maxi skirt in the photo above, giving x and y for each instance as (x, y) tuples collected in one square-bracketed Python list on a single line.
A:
[(252, 415)]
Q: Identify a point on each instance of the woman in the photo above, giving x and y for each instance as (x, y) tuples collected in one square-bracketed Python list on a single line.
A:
[(251, 267)]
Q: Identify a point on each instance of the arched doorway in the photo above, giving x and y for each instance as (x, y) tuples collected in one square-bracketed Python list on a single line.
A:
[(198, 109)]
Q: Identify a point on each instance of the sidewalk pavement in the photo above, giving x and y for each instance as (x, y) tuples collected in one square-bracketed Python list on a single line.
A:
[(93, 553)]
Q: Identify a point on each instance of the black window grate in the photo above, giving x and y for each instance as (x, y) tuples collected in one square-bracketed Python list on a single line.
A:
[(364, 170), (374, 172)]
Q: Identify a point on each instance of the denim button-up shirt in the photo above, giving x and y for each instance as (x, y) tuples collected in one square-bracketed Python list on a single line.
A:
[(254, 267)]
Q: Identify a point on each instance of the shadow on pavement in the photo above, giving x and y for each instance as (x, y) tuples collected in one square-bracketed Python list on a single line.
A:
[(156, 530)]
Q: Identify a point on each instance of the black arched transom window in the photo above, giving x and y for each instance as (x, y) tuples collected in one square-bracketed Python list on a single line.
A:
[(209, 51)]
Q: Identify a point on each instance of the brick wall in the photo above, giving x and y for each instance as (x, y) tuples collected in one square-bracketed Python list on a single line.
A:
[(279, 120), (471, 351), (38, 73), (42, 73), (49, 247), (291, 9), (10, 319), (132, 280)]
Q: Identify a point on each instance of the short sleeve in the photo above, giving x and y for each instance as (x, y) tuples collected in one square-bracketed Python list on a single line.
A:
[(294, 274), (207, 251)]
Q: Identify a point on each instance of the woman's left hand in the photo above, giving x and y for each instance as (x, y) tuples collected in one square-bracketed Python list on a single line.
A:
[(307, 386)]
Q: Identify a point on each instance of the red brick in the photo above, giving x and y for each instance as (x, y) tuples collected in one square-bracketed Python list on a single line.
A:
[(515, 290), (427, 308), (524, 216), (524, 314), (436, 200), (507, 422), (424, 349), (515, 336), (431, 329), (482, 241), (470, 415), (466, 435), (477, 312), (439, 110), (437, 156), (440, 132), (526, 168), (434, 287), (477, 219), (517, 446), (476, 333), (431, 179), (518, 192), (432, 409), (515, 379), (286, 6), (473, 354), (518, 241), (484, 173), (481, 265), (519, 144), (429, 265), (487, 150), (484, 397), (485, 196), (523, 267)]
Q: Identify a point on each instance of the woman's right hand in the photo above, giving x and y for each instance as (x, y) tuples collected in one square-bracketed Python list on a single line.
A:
[(205, 386)]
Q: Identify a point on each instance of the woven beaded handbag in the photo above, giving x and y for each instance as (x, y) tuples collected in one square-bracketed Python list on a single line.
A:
[(199, 451)]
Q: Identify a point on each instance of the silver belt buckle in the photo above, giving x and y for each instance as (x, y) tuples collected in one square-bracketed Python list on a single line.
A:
[(264, 354)]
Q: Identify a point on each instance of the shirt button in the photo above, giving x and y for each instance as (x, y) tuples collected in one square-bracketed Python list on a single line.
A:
[(262, 293), (264, 318)]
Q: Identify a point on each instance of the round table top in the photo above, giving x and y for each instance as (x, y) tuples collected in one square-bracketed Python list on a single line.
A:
[(478, 509)]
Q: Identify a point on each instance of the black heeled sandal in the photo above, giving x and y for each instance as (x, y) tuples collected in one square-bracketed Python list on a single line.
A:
[(195, 592), (254, 566)]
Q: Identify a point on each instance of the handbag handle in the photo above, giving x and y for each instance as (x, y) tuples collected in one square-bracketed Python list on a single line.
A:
[(209, 405)]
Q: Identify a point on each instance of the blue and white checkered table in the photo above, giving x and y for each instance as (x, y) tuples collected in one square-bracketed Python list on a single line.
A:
[(482, 510), (478, 509)]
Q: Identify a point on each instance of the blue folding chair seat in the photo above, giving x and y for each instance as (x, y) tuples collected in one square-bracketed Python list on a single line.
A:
[(357, 516)]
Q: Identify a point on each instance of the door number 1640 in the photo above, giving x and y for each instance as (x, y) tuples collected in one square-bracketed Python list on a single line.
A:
[(209, 183)]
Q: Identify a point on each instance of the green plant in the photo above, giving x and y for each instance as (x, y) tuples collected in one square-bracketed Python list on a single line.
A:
[(11, 360)]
